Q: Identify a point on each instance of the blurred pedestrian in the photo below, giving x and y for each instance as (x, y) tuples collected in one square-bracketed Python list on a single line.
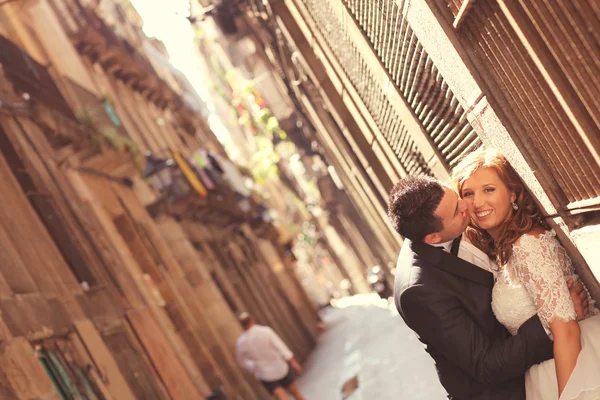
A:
[(262, 352)]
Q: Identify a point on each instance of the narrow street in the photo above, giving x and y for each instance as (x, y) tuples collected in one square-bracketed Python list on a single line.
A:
[(168, 165), (367, 339)]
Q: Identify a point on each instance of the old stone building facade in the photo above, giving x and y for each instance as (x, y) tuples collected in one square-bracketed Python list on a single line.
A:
[(127, 250)]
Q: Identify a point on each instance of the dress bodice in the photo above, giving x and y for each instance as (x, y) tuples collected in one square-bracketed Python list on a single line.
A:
[(511, 303), (534, 281)]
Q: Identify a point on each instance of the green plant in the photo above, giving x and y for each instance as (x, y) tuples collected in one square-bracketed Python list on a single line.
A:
[(107, 98), (108, 135), (262, 117), (114, 139), (199, 33), (248, 88), (272, 126), (264, 161), (121, 143), (85, 116), (136, 156)]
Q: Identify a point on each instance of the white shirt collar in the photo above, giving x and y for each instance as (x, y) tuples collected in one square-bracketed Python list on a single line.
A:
[(446, 245), (468, 252)]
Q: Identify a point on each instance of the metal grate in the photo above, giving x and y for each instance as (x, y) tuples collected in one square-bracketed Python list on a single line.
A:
[(409, 68), (328, 19), (506, 62), (570, 31)]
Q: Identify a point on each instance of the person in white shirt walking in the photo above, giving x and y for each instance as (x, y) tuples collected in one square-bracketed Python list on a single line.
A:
[(261, 351)]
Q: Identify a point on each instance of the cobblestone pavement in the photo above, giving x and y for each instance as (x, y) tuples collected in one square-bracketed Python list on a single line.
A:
[(366, 338)]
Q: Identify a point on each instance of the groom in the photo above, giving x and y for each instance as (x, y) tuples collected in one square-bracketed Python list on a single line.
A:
[(443, 292)]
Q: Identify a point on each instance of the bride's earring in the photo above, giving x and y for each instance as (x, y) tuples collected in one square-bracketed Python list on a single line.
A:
[(514, 205)]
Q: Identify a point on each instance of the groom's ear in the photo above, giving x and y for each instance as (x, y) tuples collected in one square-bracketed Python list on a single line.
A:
[(432, 238)]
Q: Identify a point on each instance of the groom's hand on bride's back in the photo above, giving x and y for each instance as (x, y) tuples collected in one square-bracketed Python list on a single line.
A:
[(580, 298)]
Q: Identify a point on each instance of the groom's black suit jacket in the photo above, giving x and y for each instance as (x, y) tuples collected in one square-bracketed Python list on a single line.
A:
[(447, 302)]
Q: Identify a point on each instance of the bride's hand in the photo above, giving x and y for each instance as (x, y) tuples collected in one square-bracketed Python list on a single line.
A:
[(579, 298)]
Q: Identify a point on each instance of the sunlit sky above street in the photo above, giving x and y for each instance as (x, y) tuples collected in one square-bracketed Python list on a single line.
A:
[(165, 20)]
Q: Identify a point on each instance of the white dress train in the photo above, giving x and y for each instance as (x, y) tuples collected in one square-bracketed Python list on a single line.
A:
[(534, 281)]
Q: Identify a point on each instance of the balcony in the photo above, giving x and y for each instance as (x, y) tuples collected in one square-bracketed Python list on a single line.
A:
[(200, 189), (94, 38), (29, 76)]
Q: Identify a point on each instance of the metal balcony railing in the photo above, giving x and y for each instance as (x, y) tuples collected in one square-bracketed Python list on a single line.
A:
[(29, 76), (199, 192)]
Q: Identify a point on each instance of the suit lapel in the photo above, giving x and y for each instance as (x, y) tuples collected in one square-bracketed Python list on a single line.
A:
[(452, 264)]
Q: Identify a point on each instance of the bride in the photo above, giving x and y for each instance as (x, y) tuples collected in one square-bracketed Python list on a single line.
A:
[(506, 223)]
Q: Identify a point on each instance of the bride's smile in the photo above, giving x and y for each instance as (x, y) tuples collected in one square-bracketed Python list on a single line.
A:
[(489, 200)]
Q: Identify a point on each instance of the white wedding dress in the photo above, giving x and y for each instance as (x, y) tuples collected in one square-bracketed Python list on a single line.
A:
[(534, 281)]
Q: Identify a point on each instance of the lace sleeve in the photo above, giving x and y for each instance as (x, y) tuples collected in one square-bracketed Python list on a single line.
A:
[(542, 265)]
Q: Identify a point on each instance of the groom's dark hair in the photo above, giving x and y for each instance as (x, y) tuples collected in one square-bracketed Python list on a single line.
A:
[(412, 206)]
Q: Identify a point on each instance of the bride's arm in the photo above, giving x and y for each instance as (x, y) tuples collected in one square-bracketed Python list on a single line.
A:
[(541, 265), (567, 345)]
